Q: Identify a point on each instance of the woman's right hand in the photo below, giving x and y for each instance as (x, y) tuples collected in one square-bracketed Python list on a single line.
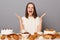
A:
[(21, 22), (19, 17)]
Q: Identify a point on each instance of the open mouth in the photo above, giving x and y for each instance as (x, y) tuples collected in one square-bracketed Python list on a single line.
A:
[(30, 11)]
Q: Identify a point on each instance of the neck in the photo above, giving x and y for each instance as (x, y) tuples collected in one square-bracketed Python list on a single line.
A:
[(30, 16)]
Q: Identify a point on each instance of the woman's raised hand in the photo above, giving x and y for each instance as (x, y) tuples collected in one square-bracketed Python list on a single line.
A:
[(19, 17), (41, 17), (21, 22), (44, 13)]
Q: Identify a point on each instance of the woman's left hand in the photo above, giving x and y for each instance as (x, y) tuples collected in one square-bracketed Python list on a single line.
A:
[(44, 13), (40, 25)]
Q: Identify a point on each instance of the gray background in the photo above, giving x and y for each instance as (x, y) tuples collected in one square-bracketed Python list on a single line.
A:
[(8, 9)]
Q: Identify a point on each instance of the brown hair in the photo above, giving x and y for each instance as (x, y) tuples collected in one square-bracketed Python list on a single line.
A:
[(34, 13)]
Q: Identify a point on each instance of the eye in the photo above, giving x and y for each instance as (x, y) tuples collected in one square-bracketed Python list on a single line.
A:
[(28, 7), (33, 7)]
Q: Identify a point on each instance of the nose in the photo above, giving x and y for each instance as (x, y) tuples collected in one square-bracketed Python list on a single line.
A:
[(30, 9)]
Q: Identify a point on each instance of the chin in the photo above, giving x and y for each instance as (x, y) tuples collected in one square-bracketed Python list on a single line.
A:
[(30, 14)]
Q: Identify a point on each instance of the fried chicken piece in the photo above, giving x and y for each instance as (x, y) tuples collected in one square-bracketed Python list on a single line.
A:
[(3, 37), (20, 36), (47, 36), (31, 37)]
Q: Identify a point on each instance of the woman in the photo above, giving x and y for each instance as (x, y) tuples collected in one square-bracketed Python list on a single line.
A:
[(30, 22)]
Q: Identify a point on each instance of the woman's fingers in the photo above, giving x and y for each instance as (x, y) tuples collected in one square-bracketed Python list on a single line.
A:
[(20, 19), (43, 14), (18, 16)]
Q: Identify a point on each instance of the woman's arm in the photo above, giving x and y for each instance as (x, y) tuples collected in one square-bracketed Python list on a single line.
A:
[(39, 28), (20, 21)]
